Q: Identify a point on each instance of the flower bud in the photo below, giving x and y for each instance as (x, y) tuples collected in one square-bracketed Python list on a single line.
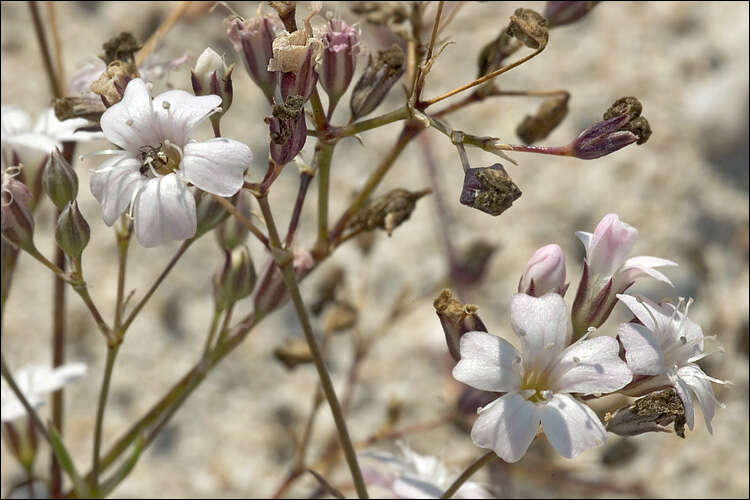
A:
[(376, 81), (253, 41), (59, 180), (560, 13), (209, 213), (529, 27), (236, 279), (288, 129), (232, 233), (545, 273), (387, 212), (72, 232), (622, 125), (210, 76), (456, 319), (549, 115), (610, 245), (340, 49), (16, 220), (489, 189)]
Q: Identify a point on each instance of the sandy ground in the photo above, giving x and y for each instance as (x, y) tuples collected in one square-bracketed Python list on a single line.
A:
[(686, 191)]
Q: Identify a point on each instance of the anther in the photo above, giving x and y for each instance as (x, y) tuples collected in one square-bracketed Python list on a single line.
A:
[(576, 359), (166, 105)]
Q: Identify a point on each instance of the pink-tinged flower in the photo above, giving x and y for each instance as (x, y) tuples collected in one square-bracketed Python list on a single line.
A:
[(35, 382), (607, 271), (340, 49), (662, 352), (158, 159), (47, 134), (538, 381), (16, 220), (253, 41), (545, 273), (412, 475)]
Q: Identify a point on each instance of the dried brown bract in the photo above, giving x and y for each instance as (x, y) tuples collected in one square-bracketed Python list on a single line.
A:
[(529, 27), (652, 413)]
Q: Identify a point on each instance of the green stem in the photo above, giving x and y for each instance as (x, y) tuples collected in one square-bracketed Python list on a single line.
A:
[(123, 243), (5, 372), (224, 330), (323, 155), (318, 113), (54, 83), (121, 331), (378, 121), (211, 332), (283, 259), (478, 464), (103, 393), (58, 358)]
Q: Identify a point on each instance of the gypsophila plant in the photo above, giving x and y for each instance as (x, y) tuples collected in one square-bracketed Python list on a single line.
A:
[(157, 179)]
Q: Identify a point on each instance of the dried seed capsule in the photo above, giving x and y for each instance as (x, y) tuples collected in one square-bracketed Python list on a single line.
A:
[(377, 80), (549, 115), (59, 180), (288, 129), (72, 232), (489, 189), (652, 413), (529, 27), (566, 12), (456, 318), (387, 212)]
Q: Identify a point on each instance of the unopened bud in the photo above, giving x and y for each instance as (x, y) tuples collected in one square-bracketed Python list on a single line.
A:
[(489, 189), (59, 180), (456, 319), (603, 138), (560, 13), (472, 263), (652, 413), (340, 49), (387, 212), (293, 353), (545, 273), (288, 129), (16, 220), (380, 75), (232, 233), (529, 27), (253, 41), (236, 279), (110, 86), (209, 213), (211, 76), (550, 114), (72, 232)]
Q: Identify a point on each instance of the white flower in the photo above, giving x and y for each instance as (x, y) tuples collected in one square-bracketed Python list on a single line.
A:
[(537, 382), (663, 350), (412, 475), (35, 381), (158, 160), (48, 132)]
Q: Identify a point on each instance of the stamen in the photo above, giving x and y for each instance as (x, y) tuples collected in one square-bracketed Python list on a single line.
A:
[(129, 123), (170, 144), (166, 105)]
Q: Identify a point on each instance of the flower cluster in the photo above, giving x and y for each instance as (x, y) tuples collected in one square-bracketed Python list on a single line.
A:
[(558, 368)]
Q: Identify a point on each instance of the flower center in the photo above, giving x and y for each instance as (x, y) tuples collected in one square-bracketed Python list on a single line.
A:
[(159, 160)]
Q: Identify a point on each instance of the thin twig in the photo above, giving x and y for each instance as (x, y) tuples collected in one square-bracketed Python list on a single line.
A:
[(177, 12), (478, 464)]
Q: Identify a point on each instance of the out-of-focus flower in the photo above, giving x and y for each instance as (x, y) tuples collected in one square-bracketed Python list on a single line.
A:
[(34, 382), (566, 12), (380, 75), (411, 475), (607, 271), (158, 159), (47, 134), (545, 273), (538, 380), (662, 352)]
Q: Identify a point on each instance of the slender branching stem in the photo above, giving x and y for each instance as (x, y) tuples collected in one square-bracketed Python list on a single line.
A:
[(41, 37), (304, 183), (283, 259), (243, 220), (323, 155), (401, 113), (6, 374), (177, 11), (212, 331), (99, 426), (465, 475)]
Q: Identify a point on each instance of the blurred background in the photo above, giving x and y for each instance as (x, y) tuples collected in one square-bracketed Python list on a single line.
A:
[(686, 191)]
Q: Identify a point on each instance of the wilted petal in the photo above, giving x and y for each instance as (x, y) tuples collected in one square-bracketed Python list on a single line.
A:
[(182, 113), (217, 166), (570, 426), (700, 384), (507, 426), (164, 211), (542, 325), (113, 185), (487, 363), (642, 351), (131, 123), (591, 366)]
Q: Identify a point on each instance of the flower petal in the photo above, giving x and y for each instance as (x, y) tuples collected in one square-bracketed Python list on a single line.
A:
[(182, 113), (66, 130), (647, 312), (698, 381), (217, 166), (13, 121), (131, 123), (639, 267), (164, 211), (542, 325), (610, 245), (487, 363), (683, 391), (591, 366), (642, 351), (571, 426), (113, 185), (585, 239), (507, 426)]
